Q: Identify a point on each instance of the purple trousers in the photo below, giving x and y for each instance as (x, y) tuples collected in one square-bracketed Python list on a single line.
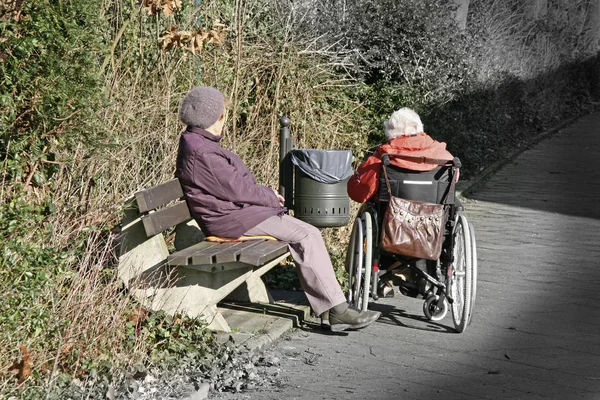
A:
[(310, 256)]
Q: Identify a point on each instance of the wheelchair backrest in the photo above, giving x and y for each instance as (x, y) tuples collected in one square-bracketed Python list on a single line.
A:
[(428, 186)]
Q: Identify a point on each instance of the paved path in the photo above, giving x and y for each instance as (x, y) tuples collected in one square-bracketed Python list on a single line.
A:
[(536, 326)]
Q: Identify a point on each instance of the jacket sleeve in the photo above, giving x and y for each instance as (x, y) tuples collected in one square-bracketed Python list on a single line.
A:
[(231, 184), (363, 184)]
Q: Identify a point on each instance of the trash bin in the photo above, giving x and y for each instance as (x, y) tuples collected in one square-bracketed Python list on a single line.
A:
[(320, 193)]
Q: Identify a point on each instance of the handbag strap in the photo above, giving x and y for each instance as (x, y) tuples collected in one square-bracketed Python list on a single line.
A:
[(387, 181)]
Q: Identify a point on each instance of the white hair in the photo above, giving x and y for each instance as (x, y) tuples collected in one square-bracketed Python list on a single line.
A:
[(403, 122)]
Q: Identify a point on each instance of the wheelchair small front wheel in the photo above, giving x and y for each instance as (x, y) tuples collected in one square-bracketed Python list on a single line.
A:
[(433, 309)]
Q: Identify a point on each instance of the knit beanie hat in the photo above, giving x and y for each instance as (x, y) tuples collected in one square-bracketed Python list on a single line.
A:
[(201, 107)]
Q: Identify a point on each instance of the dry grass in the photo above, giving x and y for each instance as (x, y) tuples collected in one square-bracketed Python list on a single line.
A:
[(93, 313), (517, 43)]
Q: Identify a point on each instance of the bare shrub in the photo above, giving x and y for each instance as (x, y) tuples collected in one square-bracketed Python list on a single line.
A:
[(92, 313), (517, 42)]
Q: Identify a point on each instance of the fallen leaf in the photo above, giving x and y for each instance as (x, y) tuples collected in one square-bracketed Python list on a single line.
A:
[(22, 368), (170, 6), (138, 316), (66, 349), (153, 6)]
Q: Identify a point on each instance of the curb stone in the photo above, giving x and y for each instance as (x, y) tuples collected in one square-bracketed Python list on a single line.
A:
[(255, 326), (465, 188)]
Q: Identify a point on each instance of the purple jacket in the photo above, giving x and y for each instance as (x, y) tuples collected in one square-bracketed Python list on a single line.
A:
[(221, 192)]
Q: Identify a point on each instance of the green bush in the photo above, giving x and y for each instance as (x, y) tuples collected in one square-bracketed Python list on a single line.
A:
[(50, 87), (29, 271)]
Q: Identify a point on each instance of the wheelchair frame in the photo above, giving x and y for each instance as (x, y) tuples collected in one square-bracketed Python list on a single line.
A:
[(455, 282)]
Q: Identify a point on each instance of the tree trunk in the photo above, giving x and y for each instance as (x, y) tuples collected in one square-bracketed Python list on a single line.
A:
[(460, 16)]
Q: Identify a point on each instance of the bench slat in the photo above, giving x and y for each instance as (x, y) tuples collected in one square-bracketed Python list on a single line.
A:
[(259, 255), (182, 257), (208, 256), (254, 252), (157, 196), (232, 253), (165, 218), (202, 255)]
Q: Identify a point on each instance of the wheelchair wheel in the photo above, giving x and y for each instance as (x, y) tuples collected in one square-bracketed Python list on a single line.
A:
[(474, 267), (359, 260), (461, 277), (433, 310)]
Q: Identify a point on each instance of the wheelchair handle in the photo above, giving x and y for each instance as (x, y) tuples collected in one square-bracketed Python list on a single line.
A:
[(385, 159)]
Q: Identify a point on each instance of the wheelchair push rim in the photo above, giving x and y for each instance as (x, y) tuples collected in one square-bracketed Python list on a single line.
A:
[(461, 277), (359, 261), (474, 268)]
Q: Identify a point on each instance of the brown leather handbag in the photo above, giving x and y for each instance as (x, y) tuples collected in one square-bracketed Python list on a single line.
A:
[(412, 228)]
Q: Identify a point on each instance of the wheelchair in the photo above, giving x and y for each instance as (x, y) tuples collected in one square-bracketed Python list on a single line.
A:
[(448, 282)]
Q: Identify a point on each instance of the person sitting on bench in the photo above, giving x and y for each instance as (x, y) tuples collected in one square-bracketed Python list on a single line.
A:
[(225, 199)]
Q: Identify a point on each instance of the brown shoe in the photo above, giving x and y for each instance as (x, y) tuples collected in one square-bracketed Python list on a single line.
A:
[(386, 289), (352, 318)]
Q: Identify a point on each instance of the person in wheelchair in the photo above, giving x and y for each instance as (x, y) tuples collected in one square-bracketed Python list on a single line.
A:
[(405, 137)]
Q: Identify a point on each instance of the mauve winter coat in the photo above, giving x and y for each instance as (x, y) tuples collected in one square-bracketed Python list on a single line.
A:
[(221, 193)]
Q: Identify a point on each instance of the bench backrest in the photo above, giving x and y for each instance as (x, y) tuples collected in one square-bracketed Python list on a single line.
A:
[(157, 218)]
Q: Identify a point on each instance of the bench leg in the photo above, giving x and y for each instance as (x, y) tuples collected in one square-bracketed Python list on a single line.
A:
[(251, 291), (215, 320), (196, 294), (254, 290), (138, 254)]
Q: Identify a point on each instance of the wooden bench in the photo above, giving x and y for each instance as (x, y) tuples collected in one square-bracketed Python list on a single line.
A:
[(198, 274)]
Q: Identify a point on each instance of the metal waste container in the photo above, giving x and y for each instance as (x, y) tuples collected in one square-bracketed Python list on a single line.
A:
[(320, 192)]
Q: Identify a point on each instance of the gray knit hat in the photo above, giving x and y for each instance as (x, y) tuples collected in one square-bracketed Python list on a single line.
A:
[(201, 107)]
